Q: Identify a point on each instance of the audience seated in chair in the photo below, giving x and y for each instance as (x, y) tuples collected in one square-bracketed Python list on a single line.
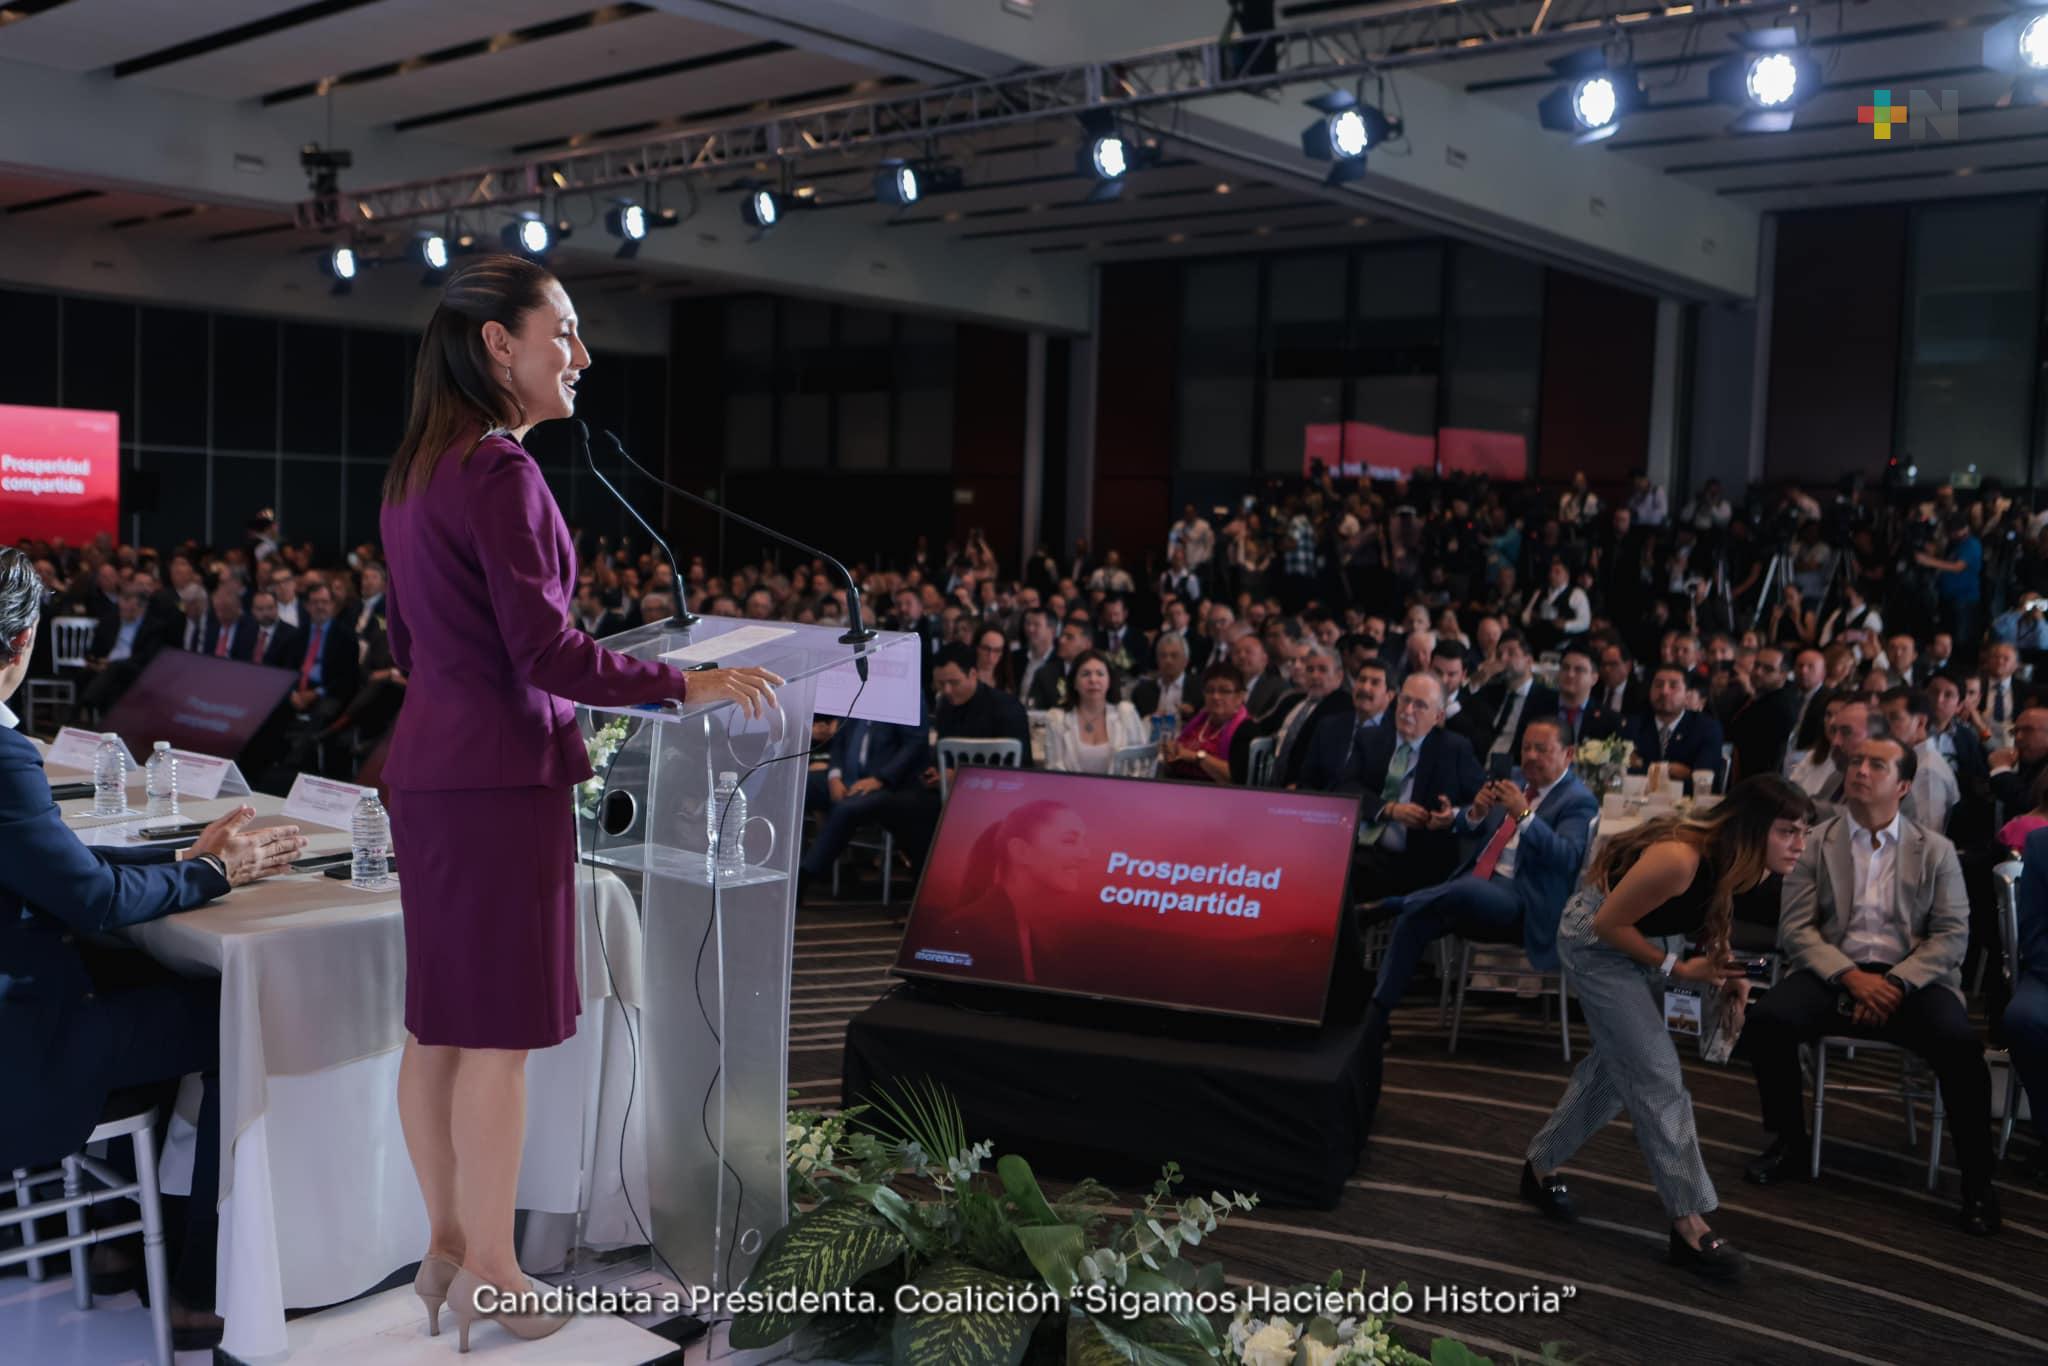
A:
[(1410, 779), (872, 778), (1874, 926), (1323, 697), (1683, 741), (1330, 748)]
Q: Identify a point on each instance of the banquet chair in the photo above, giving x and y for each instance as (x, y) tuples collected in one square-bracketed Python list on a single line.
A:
[(2008, 875), (1509, 966), (136, 1122), (979, 753), (1135, 761), (1914, 1084), (1258, 766), (70, 642), (873, 839)]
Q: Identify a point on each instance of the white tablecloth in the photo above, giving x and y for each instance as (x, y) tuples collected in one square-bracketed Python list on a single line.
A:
[(318, 1197)]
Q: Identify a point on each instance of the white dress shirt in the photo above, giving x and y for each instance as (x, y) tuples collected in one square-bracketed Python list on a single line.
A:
[(1815, 774), (1503, 743), (288, 613), (1874, 935), (124, 641), (1505, 868), (1030, 675), (1935, 789), (8, 721)]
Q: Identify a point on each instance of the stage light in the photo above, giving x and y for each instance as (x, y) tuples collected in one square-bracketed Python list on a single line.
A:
[(1592, 100), (528, 235), (628, 222), (762, 209), (1768, 82), (1106, 157), (2034, 42), (341, 264), (1344, 135), (2018, 46), (431, 251), (897, 183)]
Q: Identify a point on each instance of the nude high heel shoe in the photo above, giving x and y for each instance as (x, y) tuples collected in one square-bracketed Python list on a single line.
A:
[(431, 1285), (462, 1293)]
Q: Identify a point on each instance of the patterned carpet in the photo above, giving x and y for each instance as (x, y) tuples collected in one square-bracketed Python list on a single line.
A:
[(1865, 1266)]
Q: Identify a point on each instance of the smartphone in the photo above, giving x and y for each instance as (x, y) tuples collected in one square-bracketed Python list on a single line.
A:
[(152, 833), (66, 792), (1500, 767), (1757, 968), (318, 861)]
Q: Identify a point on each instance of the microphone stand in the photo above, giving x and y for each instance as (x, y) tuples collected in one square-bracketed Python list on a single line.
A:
[(683, 617), (857, 634)]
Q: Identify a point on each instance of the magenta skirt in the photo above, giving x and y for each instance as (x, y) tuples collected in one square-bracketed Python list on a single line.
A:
[(487, 878)]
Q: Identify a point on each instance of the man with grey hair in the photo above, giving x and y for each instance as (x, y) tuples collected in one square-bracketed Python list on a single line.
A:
[(1323, 695), (192, 603), (1411, 778), (1263, 690)]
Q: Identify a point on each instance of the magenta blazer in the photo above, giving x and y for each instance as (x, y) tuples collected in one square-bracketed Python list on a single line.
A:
[(482, 576)]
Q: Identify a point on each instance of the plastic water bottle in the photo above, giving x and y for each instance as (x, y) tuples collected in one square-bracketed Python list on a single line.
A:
[(727, 828), (160, 779), (110, 777), (370, 838)]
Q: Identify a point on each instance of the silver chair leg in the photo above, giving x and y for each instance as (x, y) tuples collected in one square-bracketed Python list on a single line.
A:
[(1934, 1141), (1906, 1096), (23, 1196), (2012, 1105), (888, 863), (1458, 1008), (74, 1224), (153, 1261), (1820, 1091)]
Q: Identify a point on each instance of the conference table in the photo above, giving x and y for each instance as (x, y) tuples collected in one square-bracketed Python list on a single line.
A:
[(318, 1199)]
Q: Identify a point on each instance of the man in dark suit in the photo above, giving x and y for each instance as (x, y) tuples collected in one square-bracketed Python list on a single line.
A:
[(1337, 737), (1533, 841), (1462, 714), (121, 650), (1051, 687), (1620, 690), (1164, 691), (273, 643), (1410, 779), (1264, 689), (80, 1020), (2015, 769), (1669, 734), (1762, 726), (592, 617), (1323, 696), (1121, 643), (1584, 716), (1515, 698), (229, 633), (871, 778), (330, 668)]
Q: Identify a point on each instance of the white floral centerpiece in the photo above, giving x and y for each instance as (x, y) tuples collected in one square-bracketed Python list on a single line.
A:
[(1602, 762), (604, 743), (1346, 1342)]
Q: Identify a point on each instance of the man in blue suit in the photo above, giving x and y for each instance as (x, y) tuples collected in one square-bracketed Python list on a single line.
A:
[(1410, 779), (871, 777), (2026, 1015), (1534, 836), (79, 1021), (1668, 734)]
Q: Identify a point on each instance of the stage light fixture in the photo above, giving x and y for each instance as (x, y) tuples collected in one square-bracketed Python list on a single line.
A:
[(1769, 81), (1344, 134), (627, 221), (1593, 98), (528, 235), (431, 251), (897, 183), (2018, 46), (762, 208), (340, 265), (2034, 43)]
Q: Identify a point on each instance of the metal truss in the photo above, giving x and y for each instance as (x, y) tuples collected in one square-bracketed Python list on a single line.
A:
[(1401, 34)]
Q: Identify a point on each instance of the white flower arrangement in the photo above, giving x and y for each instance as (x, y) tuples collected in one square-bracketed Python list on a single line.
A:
[(1601, 762), (1279, 1342), (601, 746)]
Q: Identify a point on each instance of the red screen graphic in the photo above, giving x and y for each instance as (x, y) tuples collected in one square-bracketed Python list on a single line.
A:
[(1177, 894), (60, 473)]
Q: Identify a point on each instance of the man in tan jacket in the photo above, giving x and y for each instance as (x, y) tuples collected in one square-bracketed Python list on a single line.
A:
[(1874, 925)]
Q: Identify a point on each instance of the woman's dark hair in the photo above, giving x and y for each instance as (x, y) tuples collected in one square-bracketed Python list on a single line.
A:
[(1115, 694), (454, 389), (21, 598), (1730, 837), (989, 862), (1005, 679), (1225, 670)]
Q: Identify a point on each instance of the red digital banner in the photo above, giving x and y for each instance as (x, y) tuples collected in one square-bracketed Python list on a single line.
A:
[(1206, 898), (60, 474), (1361, 450)]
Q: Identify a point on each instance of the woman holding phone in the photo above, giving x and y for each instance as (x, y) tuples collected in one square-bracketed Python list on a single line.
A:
[(1646, 893), (485, 754)]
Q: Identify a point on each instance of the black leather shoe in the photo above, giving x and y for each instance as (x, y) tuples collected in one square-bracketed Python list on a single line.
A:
[(1779, 1163), (1715, 1258), (1549, 1194), (1980, 1213)]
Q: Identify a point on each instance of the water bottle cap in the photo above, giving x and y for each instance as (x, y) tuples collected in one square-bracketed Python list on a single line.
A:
[(162, 745), (107, 735), (732, 778)]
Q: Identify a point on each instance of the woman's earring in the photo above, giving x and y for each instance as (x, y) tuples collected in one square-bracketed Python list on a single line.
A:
[(508, 374)]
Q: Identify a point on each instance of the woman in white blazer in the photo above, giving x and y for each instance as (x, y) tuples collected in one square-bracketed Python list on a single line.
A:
[(1081, 738)]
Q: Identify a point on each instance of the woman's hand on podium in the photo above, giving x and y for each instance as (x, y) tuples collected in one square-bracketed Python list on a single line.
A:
[(749, 685)]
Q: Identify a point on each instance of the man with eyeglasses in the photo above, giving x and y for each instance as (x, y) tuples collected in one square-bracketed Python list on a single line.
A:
[(1410, 779)]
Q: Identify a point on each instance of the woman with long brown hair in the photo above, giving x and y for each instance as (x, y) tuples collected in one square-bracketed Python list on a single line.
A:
[(484, 757), (1646, 893)]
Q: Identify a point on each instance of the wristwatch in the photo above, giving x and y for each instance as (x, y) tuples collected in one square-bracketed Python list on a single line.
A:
[(1670, 962)]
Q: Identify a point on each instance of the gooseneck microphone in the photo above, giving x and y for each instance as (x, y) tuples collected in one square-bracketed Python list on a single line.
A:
[(682, 616), (858, 632)]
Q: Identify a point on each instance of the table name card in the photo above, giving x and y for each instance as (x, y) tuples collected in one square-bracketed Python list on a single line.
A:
[(322, 801), (202, 777), (75, 748)]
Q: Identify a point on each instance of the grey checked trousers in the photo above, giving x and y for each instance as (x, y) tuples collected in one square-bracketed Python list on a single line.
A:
[(1633, 1067)]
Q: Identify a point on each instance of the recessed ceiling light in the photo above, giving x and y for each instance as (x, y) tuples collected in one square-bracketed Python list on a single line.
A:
[(1360, 221), (1223, 187), (1176, 237), (952, 215)]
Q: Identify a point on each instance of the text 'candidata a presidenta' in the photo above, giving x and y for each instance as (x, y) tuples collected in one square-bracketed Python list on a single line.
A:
[(1175, 876), (1259, 1301)]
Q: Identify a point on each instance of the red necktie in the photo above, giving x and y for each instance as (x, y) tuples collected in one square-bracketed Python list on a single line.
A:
[(262, 644), (1571, 718), (220, 644), (312, 653), (1489, 857)]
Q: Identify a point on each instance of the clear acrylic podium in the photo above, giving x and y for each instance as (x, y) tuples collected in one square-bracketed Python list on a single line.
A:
[(715, 1020)]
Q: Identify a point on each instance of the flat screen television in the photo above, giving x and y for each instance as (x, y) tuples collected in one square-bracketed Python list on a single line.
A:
[(1221, 900), (198, 703)]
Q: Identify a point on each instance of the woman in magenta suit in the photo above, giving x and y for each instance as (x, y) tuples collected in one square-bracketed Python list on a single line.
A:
[(485, 754)]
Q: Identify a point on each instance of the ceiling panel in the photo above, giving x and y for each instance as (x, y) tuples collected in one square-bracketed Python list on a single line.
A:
[(352, 40), (86, 35)]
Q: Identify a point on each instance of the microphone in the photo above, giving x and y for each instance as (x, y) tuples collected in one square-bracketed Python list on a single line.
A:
[(857, 633), (683, 615)]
